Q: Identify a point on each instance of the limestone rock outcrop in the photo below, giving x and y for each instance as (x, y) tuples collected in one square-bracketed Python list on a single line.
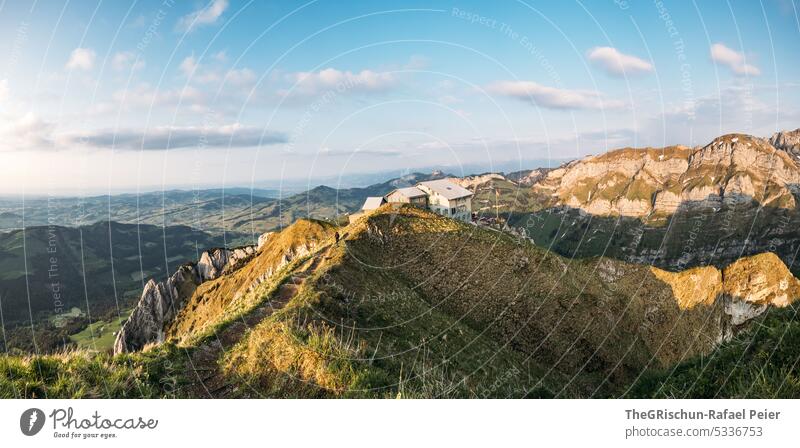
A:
[(788, 141), (161, 301), (746, 287), (731, 170)]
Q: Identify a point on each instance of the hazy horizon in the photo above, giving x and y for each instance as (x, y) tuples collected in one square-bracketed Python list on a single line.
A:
[(298, 185)]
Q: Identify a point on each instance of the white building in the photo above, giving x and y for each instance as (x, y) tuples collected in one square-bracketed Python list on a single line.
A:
[(372, 203), (448, 199), (409, 195), (442, 196)]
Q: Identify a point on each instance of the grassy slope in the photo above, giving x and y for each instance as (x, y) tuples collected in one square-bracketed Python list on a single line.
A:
[(100, 335), (380, 340), (158, 373), (362, 329), (759, 363)]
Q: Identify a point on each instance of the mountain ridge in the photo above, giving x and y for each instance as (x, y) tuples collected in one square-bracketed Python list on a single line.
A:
[(501, 293)]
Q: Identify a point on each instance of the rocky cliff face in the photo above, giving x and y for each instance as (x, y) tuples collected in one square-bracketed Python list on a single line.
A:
[(220, 277), (788, 141), (675, 207), (470, 182), (747, 288), (161, 301), (216, 261), (528, 177), (643, 183)]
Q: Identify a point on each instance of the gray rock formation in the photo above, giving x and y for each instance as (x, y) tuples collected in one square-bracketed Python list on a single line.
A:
[(157, 306), (160, 301), (215, 262), (788, 141), (262, 240)]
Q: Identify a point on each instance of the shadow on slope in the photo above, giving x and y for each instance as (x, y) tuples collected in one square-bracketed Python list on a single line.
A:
[(696, 235)]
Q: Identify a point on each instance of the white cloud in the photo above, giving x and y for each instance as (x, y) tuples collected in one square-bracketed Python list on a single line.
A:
[(733, 60), (331, 79), (220, 56), (558, 142), (552, 97), (25, 132), (145, 96), (206, 16), (164, 138), (242, 77), (733, 109), (81, 59), (126, 61), (4, 92), (618, 64), (189, 66), (207, 77)]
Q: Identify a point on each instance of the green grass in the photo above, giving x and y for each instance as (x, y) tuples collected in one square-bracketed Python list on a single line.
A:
[(100, 335), (763, 362), (87, 374), (239, 308)]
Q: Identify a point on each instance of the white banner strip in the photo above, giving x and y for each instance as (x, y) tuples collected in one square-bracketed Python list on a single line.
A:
[(355, 423)]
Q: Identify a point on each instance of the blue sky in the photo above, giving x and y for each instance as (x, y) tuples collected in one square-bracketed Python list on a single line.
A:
[(123, 97)]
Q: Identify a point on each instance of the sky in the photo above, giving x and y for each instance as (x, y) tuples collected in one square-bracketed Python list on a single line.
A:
[(147, 95)]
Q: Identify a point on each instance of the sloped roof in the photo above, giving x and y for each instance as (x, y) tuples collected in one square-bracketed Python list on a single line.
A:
[(410, 192), (373, 202), (447, 188)]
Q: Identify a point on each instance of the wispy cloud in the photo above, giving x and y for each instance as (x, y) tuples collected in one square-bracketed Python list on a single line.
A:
[(28, 131), (220, 56), (331, 79), (81, 59), (206, 16), (188, 66), (617, 63), (126, 61), (328, 152), (553, 97), (146, 96), (733, 60), (240, 78), (164, 138)]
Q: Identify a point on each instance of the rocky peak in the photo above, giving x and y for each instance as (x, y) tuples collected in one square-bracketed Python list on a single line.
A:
[(656, 182), (470, 182), (788, 141), (529, 177), (161, 301), (214, 262), (262, 240)]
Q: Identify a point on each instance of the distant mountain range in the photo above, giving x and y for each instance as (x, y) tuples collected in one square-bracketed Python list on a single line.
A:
[(673, 207), (241, 212)]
